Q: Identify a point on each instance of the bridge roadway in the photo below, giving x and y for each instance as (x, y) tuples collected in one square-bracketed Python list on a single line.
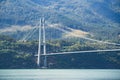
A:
[(78, 52)]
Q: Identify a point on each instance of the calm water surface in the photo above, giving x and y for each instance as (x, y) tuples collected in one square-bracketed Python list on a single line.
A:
[(59, 74)]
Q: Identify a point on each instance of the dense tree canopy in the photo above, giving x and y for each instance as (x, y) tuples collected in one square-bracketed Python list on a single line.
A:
[(17, 54)]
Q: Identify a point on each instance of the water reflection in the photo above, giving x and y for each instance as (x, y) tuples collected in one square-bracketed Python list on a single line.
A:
[(59, 74)]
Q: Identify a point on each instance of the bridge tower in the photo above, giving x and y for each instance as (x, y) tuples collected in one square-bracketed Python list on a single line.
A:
[(42, 42)]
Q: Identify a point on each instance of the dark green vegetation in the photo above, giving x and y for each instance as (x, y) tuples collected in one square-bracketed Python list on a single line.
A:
[(16, 54), (11, 55)]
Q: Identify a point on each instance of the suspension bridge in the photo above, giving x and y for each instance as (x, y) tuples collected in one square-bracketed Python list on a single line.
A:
[(42, 42)]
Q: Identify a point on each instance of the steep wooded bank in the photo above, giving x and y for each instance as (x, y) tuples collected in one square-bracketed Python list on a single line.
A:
[(15, 54)]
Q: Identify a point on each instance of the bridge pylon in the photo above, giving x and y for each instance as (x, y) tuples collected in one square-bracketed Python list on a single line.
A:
[(42, 42)]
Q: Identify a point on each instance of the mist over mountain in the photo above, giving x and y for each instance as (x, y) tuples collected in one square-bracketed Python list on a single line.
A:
[(99, 18)]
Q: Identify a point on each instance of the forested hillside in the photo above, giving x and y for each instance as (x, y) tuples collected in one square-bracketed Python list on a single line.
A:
[(70, 25), (100, 18), (16, 54)]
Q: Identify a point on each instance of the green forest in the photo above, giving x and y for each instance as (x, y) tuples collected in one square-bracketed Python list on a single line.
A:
[(16, 54)]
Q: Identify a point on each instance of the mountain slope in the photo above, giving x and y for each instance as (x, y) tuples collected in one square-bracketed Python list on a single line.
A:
[(101, 18)]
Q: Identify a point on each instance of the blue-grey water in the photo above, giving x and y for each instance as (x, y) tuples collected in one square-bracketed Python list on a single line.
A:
[(59, 74)]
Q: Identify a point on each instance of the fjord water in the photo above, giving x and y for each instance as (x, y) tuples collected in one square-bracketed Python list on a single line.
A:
[(59, 74)]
